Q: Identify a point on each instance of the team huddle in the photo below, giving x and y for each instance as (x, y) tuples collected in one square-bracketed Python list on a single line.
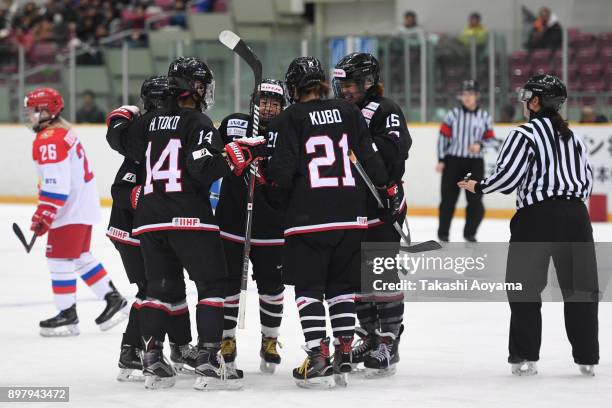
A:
[(311, 212)]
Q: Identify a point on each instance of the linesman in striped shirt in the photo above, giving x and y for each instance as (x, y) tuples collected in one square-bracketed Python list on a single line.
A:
[(548, 166), (463, 133)]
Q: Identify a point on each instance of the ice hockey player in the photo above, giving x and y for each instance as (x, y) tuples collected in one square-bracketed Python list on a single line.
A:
[(68, 206), (125, 192), (183, 155), (266, 238), (326, 218), (357, 79)]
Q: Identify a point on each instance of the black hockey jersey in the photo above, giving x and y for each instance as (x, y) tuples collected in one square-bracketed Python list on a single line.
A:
[(231, 210), (122, 213), (310, 162), (181, 157), (388, 130), (128, 176)]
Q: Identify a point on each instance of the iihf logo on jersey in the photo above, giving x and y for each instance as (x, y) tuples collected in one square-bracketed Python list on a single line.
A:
[(185, 222)]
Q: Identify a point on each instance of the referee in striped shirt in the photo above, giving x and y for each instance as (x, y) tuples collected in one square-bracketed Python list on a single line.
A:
[(463, 133), (548, 166)]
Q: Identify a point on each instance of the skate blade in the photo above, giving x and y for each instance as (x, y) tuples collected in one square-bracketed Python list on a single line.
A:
[(130, 375), (587, 370), (357, 369), (524, 370), (266, 367), (153, 382), (117, 318), (184, 369), (62, 331), (341, 379), (373, 373), (203, 383), (318, 383)]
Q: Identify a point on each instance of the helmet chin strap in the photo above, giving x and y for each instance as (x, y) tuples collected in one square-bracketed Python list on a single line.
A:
[(46, 122)]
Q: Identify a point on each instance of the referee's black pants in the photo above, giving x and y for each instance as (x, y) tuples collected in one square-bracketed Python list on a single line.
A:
[(455, 168), (559, 229)]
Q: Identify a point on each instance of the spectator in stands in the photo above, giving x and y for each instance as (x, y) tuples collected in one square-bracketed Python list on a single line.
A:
[(546, 31), (588, 115), (410, 24), (179, 19), (507, 114), (474, 30), (89, 111)]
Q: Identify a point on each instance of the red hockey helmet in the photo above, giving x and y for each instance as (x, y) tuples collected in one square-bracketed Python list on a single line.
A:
[(42, 106)]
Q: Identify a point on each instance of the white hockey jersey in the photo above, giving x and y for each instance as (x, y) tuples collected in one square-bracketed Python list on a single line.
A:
[(66, 182)]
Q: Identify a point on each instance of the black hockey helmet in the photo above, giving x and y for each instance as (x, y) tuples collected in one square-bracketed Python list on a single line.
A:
[(190, 76), (470, 85), (154, 92), (272, 89), (549, 88), (359, 67), (303, 73)]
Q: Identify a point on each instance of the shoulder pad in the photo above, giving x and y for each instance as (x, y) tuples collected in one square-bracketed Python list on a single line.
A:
[(369, 110)]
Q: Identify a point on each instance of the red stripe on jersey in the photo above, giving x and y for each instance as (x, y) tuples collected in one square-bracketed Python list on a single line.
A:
[(446, 131), (320, 229), (210, 303)]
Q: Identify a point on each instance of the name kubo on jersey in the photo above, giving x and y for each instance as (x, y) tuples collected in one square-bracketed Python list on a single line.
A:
[(310, 164)]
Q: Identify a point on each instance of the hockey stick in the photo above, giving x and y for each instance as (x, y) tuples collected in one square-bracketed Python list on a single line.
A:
[(422, 247), (237, 45), (22, 239)]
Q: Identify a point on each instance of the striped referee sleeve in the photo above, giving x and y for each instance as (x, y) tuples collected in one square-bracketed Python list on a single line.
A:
[(446, 134), (511, 165)]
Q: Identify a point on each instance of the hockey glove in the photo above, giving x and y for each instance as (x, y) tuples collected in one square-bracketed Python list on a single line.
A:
[(125, 113), (43, 218), (391, 204), (260, 180), (134, 196), (241, 152)]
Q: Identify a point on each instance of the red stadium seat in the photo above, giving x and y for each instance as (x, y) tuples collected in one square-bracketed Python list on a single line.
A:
[(43, 53), (605, 40), (541, 56), (518, 58), (589, 72), (544, 68), (605, 55), (586, 55)]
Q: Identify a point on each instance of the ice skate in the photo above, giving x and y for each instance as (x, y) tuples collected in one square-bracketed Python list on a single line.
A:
[(342, 360), (525, 368), (64, 324), (363, 346), (130, 364), (316, 370), (382, 361), (158, 372), (116, 310), (183, 358), (269, 354), (587, 370), (229, 353), (211, 371)]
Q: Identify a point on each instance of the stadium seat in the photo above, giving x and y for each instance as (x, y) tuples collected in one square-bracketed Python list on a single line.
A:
[(605, 55), (590, 72), (586, 55), (43, 53), (544, 68), (518, 58), (540, 56)]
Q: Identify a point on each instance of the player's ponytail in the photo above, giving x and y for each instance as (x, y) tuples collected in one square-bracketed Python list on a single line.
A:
[(560, 125)]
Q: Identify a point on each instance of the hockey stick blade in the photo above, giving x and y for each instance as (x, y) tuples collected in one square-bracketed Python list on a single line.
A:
[(426, 246), (232, 41), (22, 239)]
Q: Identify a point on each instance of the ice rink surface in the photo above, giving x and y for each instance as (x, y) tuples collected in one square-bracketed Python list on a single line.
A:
[(452, 354)]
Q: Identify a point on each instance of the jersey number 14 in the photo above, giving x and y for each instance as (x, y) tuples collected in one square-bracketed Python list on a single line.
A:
[(172, 173)]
